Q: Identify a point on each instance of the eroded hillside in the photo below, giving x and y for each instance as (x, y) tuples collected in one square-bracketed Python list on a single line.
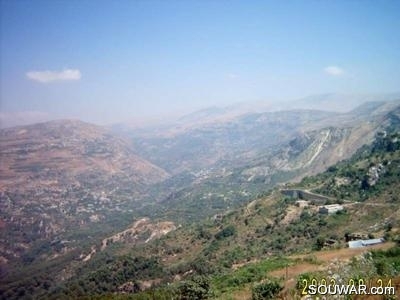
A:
[(60, 177), (85, 214), (268, 243)]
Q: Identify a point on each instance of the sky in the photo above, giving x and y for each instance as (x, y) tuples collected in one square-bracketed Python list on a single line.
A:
[(113, 61)]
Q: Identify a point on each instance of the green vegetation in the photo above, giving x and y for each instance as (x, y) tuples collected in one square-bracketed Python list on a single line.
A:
[(387, 263), (368, 269), (266, 290), (226, 232), (238, 249), (109, 276), (371, 172), (197, 288), (252, 272)]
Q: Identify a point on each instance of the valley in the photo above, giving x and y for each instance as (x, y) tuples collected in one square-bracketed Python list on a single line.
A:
[(222, 205)]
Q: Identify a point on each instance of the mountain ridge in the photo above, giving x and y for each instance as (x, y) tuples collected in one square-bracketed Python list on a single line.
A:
[(68, 187), (231, 253)]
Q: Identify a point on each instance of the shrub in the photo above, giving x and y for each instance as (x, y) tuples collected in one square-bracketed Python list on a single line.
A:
[(266, 290), (226, 232), (196, 289)]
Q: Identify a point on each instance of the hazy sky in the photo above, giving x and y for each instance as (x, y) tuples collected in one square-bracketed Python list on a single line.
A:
[(107, 61)]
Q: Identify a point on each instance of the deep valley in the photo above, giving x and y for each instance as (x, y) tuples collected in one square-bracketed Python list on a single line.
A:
[(215, 209)]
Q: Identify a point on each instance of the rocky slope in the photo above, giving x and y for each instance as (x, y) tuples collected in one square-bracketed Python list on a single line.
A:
[(67, 187), (228, 142), (220, 165), (263, 240), (192, 147), (64, 176)]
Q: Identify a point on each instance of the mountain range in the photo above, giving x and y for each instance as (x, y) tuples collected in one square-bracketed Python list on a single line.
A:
[(226, 163), (72, 191)]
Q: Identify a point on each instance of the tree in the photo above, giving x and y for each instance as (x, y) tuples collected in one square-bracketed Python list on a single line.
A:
[(226, 232), (196, 289), (319, 244), (388, 227), (365, 182)]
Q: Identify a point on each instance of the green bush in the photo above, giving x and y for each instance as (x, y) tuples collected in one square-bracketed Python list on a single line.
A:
[(195, 289), (266, 290), (226, 232)]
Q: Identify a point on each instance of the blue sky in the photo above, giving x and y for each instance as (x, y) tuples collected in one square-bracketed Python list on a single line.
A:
[(110, 61)]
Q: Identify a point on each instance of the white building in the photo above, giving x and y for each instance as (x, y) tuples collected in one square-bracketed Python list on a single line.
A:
[(330, 209), (365, 243)]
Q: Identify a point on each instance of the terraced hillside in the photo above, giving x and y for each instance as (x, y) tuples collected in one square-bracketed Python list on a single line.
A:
[(61, 179), (243, 252), (94, 218)]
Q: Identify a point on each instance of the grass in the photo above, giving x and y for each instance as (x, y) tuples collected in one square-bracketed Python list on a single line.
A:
[(251, 273)]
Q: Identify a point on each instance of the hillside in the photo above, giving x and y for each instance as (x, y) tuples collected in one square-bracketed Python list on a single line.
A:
[(61, 179), (194, 147), (81, 208), (220, 166), (243, 251), (240, 248)]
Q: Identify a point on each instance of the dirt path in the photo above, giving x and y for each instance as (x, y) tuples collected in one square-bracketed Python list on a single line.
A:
[(344, 253), (323, 258)]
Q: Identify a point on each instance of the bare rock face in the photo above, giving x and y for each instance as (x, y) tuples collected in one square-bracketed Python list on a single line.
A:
[(142, 231), (64, 174)]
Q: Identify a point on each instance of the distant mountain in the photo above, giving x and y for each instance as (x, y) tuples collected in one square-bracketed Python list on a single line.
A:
[(338, 102), (11, 119), (215, 115), (194, 147), (61, 177), (203, 115), (329, 102), (333, 102), (324, 142), (198, 145)]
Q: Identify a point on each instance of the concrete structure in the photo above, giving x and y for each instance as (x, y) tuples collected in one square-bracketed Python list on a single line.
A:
[(305, 195), (302, 203), (365, 243), (330, 209)]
